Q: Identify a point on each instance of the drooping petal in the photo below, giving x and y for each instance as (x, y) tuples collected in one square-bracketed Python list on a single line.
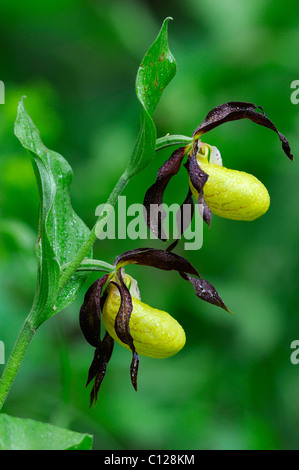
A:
[(185, 214), (122, 324), (90, 323), (153, 200), (167, 260), (90, 312), (101, 357), (236, 110), (98, 367), (122, 319), (160, 259), (198, 179), (95, 365), (205, 291), (183, 218), (134, 369)]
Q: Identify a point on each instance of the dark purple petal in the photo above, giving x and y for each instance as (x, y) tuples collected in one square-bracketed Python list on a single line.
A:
[(160, 259), (185, 214), (205, 291), (183, 218), (90, 312), (236, 110), (198, 179), (101, 357), (134, 369), (90, 323), (205, 210), (99, 366), (122, 319), (153, 200), (122, 325), (95, 365)]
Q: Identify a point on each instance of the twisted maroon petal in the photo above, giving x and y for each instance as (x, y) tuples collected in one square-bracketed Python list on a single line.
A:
[(160, 259), (171, 261), (90, 312), (122, 325), (134, 369), (198, 179), (205, 291), (99, 364), (153, 200), (235, 110), (122, 318)]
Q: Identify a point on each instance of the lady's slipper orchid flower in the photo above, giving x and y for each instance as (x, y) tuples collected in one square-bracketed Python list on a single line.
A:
[(155, 333), (147, 331), (228, 193)]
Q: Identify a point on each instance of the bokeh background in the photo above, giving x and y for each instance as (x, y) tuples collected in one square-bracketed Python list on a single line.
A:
[(233, 386)]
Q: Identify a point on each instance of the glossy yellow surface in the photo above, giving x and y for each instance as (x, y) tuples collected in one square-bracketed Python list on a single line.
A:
[(233, 194), (155, 333)]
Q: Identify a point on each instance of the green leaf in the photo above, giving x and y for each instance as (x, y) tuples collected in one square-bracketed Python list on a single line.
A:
[(27, 434), (156, 71), (61, 232), (154, 74)]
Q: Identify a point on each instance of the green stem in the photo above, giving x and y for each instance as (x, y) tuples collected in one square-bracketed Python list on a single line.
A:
[(169, 140), (93, 265), (96, 265), (25, 336)]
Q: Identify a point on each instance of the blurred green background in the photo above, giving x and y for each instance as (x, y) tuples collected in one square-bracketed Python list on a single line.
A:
[(233, 385)]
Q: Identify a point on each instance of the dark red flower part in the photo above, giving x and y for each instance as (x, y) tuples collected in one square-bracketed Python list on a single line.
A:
[(97, 370), (153, 198), (122, 321), (90, 323), (235, 110), (90, 312), (156, 258), (198, 179), (167, 260), (205, 291)]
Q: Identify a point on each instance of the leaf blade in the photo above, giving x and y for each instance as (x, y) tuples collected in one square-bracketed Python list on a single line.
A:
[(61, 232), (27, 434), (157, 69)]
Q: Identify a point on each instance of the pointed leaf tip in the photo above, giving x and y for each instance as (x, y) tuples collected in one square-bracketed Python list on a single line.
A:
[(156, 70)]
